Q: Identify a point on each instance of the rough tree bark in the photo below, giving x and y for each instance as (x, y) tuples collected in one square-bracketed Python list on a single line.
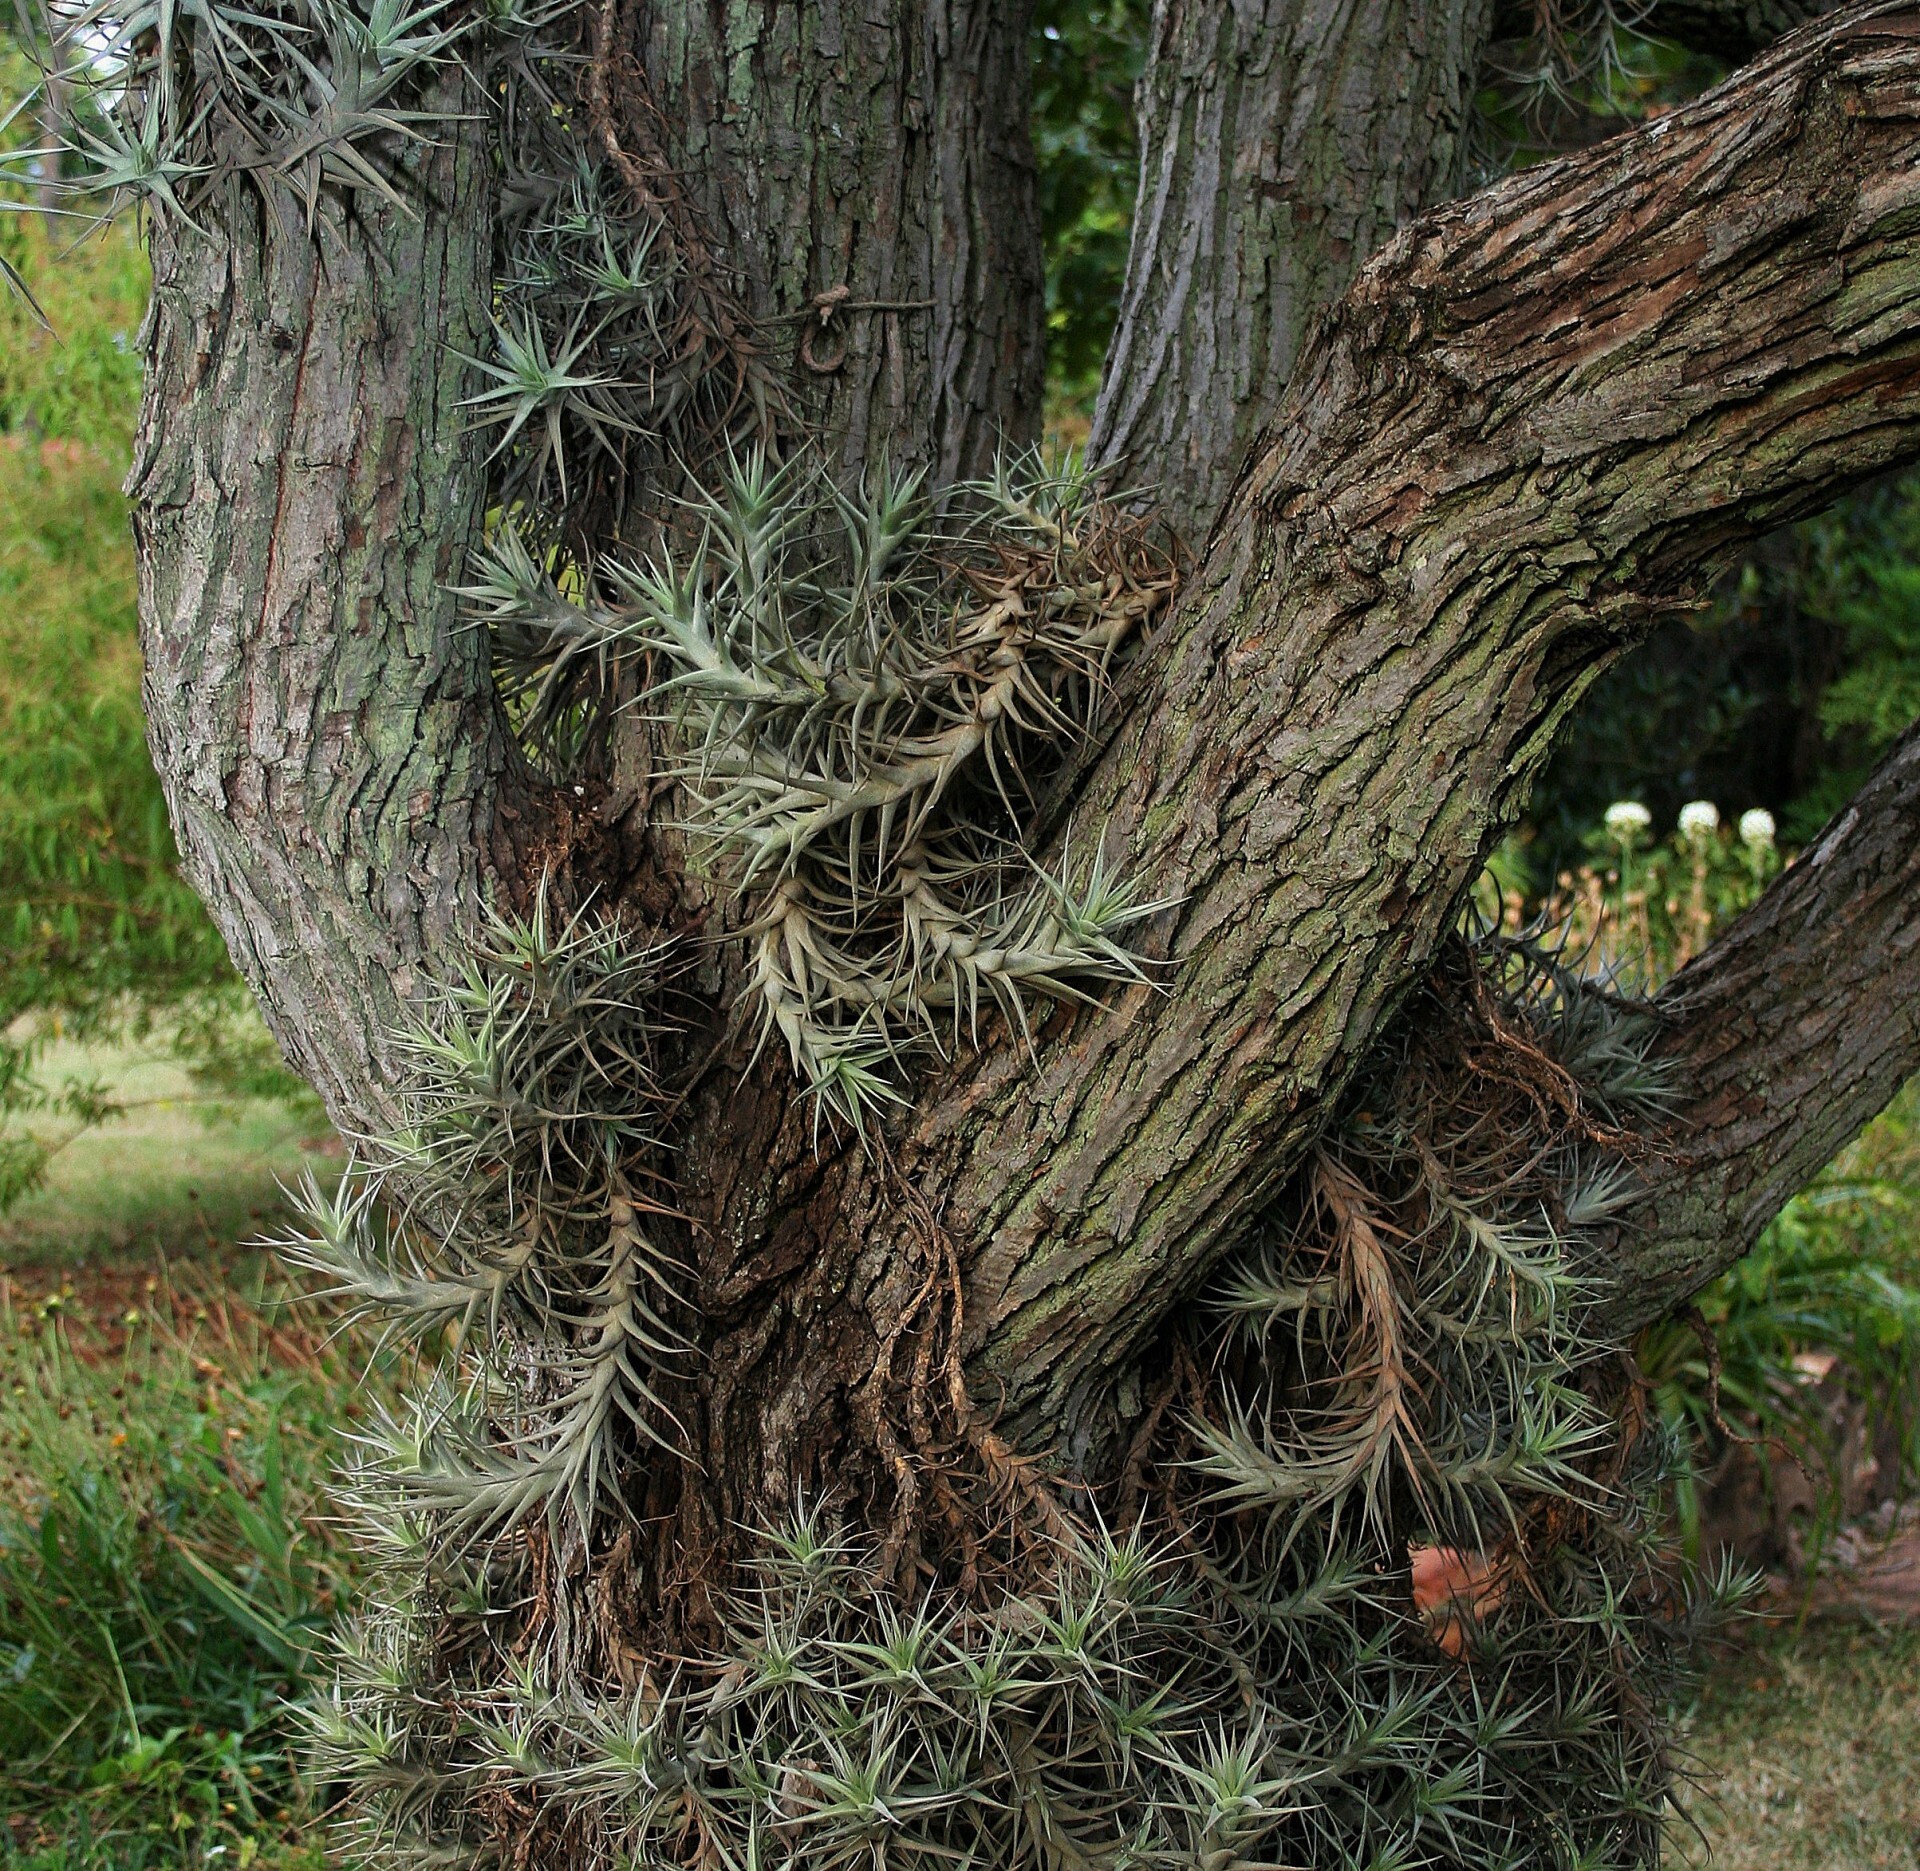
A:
[(1537, 413), (306, 489), (1533, 415), (1280, 146), (878, 170)]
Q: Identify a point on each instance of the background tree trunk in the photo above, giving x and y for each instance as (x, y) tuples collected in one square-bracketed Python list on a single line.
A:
[(1281, 144)]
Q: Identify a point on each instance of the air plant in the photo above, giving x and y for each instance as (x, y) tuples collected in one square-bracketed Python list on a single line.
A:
[(1408, 1606), (517, 1209), (186, 97), (867, 691)]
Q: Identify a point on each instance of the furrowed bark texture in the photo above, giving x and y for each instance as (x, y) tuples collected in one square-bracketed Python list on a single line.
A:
[(1788, 1034), (308, 487), (1281, 144), (882, 155), (1535, 413), (305, 491)]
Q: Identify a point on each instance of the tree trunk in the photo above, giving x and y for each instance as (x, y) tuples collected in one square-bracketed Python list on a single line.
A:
[(1280, 146), (305, 491), (867, 184), (309, 488), (1491, 445)]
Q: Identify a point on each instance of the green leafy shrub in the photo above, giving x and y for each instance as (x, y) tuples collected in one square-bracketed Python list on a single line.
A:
[(1086, 56), (1640, 908), (1782, 693), (1870, 590)]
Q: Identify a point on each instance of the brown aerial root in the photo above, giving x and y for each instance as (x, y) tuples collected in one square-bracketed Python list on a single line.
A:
[(716, 332), (996, 1507), (1504, 1056), (1380, 1420)]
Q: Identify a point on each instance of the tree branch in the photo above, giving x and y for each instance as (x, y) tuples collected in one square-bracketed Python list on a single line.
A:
[(1535, 413), (1280, 144), (1788, 1034)]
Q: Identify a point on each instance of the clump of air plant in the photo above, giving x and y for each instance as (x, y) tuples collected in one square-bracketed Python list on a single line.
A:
[(1122, 1709), (297, 98), (867, 692), (1407, 1363), (518, 1209), (1398, 1592)]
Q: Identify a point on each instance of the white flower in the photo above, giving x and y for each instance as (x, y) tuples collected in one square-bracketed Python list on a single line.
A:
[(1757, 828), (1699, 818), (1628, 818)]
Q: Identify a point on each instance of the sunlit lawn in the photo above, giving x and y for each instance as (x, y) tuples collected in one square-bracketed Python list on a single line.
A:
[(177, 1172), (1810, 1745)]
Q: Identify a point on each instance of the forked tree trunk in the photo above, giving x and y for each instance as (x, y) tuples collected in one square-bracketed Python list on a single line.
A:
[(1529, 418)]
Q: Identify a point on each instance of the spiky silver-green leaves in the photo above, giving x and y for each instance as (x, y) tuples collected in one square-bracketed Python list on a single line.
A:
[(1132, 1709), (297, 96), (867, 693), (588, 369), (1429, 1620), (1420, 1316), (516, 1208)]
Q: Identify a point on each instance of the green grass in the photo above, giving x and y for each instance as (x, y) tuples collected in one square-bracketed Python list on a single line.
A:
[(180, 1171), (167, 1576), (94, 918), (1809, 1746)]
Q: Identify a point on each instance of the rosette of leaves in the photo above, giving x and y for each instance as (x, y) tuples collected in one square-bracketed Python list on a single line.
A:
[(512, 1221), (174, 102), (868, 692), (600, 380), (1392, 1598)]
